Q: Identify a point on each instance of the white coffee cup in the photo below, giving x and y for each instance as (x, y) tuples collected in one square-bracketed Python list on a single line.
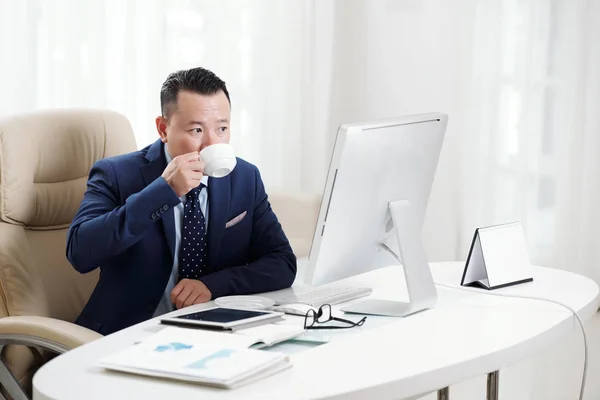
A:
[(219, 160)]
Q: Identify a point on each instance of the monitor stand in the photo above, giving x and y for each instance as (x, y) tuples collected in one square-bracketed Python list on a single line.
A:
[(422, 294)]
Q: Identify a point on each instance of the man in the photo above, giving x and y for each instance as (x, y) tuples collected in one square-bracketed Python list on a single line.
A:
[(130, 222)]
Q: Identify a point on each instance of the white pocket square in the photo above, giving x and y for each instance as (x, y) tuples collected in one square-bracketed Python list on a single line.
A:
[(235, 220)]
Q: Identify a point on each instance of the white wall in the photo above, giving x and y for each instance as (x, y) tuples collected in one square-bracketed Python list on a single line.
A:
[(407, 57)]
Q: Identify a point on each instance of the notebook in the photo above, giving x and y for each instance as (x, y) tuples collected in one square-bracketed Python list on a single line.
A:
[(256, 337), (268, 335), (211, 358)]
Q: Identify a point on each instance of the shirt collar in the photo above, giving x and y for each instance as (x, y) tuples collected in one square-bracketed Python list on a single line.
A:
[(204, 179)]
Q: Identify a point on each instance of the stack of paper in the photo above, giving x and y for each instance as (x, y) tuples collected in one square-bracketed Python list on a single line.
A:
[(207, 357)]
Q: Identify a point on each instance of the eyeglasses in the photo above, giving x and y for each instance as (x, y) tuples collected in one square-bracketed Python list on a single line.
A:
[(323, 315)]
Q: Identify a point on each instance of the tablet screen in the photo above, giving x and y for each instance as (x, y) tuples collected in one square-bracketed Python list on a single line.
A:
[(222, 315)]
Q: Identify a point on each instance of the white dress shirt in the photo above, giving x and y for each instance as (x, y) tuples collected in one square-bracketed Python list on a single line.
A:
[(165, 304)]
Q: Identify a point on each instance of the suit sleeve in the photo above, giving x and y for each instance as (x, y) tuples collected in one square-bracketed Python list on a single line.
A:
[(104, 226), (273, 263)]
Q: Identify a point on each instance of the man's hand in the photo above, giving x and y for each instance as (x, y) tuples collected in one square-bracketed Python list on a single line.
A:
[(184, 173), (188, 292)]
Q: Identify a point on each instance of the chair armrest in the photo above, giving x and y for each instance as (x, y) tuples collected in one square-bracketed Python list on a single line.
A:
[(34, 330)]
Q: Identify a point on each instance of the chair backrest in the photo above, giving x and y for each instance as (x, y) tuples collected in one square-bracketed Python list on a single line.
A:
[(45, 158), (297, 213)]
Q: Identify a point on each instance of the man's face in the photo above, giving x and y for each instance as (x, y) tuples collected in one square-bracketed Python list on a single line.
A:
[(195, 122)]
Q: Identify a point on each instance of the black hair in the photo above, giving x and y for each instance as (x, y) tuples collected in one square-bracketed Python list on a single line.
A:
[(198, 80)]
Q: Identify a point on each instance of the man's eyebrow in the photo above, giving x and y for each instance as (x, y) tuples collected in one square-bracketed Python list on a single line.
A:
[(225, 120)]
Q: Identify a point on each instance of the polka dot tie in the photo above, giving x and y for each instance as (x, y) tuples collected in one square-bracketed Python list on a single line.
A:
[(192, 254)]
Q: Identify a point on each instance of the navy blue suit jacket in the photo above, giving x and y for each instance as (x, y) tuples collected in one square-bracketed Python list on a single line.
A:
[(125, 226)]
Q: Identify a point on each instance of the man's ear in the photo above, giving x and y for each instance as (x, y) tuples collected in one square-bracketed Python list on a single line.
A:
[(161, 127)]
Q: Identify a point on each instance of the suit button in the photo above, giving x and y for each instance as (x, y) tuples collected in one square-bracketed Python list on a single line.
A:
[(165, 207)]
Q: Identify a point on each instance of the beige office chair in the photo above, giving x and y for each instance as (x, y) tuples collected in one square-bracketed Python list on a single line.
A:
[(297, 214), (45, 159)]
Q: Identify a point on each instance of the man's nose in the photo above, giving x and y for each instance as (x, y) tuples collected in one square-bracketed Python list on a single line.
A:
[(210, 140)]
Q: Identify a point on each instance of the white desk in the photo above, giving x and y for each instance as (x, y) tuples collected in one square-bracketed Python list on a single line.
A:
[(469, 333)]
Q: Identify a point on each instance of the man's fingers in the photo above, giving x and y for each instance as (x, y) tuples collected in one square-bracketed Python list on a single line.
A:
[(183, 296), (203, 298), (196, 165), (196, 174), (196, 179), (192, 298), (177, 290), (188, 292), (193, 166), (189, 157)]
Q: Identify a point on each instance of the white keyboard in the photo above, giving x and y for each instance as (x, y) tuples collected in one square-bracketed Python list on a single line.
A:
[(329, 295)]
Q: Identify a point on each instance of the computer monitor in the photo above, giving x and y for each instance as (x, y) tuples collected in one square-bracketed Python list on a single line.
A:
[(376, 193)]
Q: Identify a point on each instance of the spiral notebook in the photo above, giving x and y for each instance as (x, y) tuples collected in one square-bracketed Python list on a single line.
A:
[(498, 257)]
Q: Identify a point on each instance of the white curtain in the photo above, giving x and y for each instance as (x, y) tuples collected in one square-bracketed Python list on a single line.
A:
[(116, 54), (520, 80), (533, 137)]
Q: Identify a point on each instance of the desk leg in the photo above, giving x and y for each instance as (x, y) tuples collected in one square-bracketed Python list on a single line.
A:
[(444, 394), (493, 380)]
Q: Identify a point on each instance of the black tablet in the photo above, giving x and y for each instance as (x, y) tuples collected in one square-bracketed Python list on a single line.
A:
[(222, 318)]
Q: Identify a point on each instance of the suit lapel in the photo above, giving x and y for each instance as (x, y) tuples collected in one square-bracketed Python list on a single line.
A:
[(151, 171), (219, 192), (168, 221)]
